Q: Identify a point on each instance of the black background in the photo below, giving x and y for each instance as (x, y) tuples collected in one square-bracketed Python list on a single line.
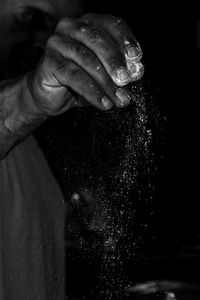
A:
[(167, 34)]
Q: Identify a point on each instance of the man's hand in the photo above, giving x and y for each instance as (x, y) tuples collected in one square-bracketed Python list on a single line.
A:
[(86, 61)]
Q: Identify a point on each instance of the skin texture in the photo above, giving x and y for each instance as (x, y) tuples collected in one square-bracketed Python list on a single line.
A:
[(59, 62)]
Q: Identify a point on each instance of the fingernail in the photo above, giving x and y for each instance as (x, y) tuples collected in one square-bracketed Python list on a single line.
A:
[(136, 70), (123, 97), (134, 52), (122, 77), (106, 102)]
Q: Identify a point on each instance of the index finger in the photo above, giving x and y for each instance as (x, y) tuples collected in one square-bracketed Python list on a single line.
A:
[(120, 32), (124, 38)]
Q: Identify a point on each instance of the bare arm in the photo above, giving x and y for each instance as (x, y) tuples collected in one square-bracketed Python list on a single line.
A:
[(18, 117)]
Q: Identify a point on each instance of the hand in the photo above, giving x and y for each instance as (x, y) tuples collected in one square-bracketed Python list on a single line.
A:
[(86, 61)]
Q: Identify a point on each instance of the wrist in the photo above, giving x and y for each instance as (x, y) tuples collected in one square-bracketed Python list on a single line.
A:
[(29, 108), (20, 115)]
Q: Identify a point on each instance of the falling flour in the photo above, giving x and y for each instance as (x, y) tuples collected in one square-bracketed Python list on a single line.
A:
[(107, 202)]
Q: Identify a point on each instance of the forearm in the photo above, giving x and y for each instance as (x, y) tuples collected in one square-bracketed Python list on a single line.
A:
[(18, 116)]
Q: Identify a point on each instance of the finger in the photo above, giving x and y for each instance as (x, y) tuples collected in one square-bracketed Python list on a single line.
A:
[(81, 102), (124, 38), (87, 60), (102, 45), (119, 31), (73, 76)]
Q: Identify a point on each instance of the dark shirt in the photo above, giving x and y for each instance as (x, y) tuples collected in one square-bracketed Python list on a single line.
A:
[(31, 227)]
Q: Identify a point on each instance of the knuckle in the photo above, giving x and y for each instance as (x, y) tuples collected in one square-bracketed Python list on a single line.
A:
[(95, 34), (79, 50), (82, 26), (91, 91), (84, 53), (92, 31), (117, 21), (89, 16), (88, 57), (52, 41), (91, 88), (64, 24), (74, 70)]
